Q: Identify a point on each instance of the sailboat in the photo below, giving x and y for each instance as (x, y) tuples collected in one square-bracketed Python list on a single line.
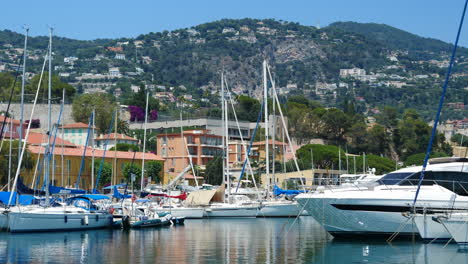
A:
[(77, 213), (272, 206), (233, 205)]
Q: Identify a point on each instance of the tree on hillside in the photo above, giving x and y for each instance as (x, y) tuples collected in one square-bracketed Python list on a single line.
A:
[(57, 87), (460, 140), (104, 104)]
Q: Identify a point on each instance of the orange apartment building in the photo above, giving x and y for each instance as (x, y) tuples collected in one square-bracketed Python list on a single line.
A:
[(203, 147)]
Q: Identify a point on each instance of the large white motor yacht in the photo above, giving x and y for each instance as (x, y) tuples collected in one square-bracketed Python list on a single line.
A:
[(384, 209)]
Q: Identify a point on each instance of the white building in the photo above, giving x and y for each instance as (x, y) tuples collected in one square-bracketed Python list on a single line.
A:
[(114, 72), (354, 72), (76, 133)]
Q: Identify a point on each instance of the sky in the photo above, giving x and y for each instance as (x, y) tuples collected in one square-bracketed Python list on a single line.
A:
[(86, 19)]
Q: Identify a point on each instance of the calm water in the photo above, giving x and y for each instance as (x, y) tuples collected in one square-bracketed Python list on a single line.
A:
[(218, 241)]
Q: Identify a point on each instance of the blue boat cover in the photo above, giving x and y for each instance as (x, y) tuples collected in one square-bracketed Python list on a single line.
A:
[(119, 195), (61, 190), (23, 199), (93, 196), (278, 191)]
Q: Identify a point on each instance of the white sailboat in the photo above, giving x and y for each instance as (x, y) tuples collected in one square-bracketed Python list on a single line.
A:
[(233, 205), (274, 207)]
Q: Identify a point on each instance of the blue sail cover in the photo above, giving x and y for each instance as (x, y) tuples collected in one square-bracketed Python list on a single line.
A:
[(277, 191), (23, 199), (119, 195), (61, 190)]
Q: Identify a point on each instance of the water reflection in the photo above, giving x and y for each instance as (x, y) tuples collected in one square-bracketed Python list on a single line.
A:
[(218, 241)]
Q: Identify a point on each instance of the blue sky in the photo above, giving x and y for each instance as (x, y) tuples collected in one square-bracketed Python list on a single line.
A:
[(87, 19)]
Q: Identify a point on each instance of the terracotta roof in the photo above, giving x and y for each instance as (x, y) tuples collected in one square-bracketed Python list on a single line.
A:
[(98, 153), (15, 122), (270, 142), (113, 136), (76, 125), (38, 139)]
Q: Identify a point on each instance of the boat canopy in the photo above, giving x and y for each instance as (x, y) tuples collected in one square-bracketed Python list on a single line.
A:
[(202, 197), (277, 191), (119, 195), (23, 199), (62, 190)]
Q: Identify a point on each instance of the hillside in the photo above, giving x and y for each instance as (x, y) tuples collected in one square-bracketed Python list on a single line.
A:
[(394, 38), (399, 68)]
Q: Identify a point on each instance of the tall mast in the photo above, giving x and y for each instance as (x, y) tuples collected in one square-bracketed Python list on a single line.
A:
[(9, 156), (267, 151), (62, 159), (92, 156), (226, 127), (49, 116), (222, 138), (115, 147), (144, 143), (23, 81)]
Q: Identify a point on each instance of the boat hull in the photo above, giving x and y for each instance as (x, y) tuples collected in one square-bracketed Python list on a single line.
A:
[(281, 209), (41, 222), (231, 212), (457, 226), (430, 229), (188, 213)]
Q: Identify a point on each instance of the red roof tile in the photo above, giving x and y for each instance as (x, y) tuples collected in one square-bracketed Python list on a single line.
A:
[(38, 139), (76, 125), (98, 153), (15, 122)]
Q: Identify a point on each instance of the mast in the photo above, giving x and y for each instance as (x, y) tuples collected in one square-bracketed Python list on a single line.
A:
[(9, 156), (339, 160), (92, 156), (23, 81), (273, 138), (226, 196), (226, 122), (62, 154), (144, 143), (49, 116), (363, 163), (115, 147), (267, 146)]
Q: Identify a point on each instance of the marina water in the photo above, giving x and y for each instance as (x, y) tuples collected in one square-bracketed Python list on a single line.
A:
[(219, 241)]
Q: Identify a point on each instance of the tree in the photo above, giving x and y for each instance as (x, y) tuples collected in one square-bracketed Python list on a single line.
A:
[(418, 158), (106, 173), (130, 169), (247, 108), (104, 104), (214, 171), (26, 164), (125, 147), (460, 140), (57, 86), (154, 169)]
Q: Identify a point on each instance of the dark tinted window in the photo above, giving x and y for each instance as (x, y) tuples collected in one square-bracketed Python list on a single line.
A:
[(394, 178)]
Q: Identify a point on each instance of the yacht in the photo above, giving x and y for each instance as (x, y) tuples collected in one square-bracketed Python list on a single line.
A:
[(79, 213), (457, 225), (383, 208)]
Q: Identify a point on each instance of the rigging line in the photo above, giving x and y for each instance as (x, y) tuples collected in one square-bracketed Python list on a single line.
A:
[(241, 137), (250, 144), (18, 169), (90, 123), (9, 100), (101, 163), (441, 103)]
